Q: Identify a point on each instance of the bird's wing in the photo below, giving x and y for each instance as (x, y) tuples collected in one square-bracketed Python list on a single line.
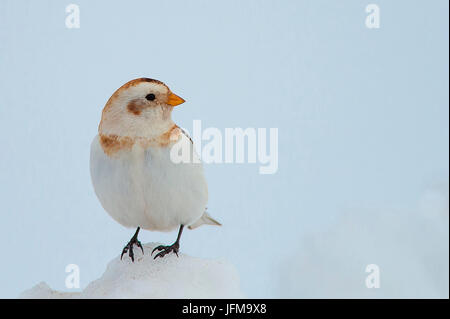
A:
[(205, 220), (186, 134)]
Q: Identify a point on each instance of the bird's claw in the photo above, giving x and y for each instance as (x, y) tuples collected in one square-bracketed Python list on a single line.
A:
[(164, 250), (129, 248)]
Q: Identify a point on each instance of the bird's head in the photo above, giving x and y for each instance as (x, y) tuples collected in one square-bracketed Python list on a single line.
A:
[(139, 108)]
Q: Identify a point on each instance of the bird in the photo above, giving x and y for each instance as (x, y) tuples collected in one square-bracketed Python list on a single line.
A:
[(132, 170)]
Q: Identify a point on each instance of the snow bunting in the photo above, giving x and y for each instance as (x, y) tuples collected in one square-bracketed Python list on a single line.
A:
[(133, 175)]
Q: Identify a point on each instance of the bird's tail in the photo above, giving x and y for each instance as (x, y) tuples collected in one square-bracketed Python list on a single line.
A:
[(206, 219)]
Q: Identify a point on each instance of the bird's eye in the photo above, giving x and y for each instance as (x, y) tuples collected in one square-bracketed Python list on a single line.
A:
[(150, 97)]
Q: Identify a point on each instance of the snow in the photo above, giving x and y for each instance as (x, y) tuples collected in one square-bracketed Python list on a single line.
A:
[(169, 277), (409, 245)]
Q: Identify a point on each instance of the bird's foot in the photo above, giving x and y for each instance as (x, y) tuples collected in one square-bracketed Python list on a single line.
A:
[(164, 250), (129, 248)]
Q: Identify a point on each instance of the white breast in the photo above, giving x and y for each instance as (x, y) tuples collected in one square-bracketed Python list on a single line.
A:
[(143, 187)]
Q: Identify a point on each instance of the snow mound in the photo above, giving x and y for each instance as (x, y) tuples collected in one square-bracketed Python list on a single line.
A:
[(168, 277)]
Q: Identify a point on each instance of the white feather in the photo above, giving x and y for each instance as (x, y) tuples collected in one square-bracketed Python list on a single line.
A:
[(206, 219), (143, 187)]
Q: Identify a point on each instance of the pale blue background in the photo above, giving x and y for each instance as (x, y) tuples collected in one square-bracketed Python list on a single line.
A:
[(362, 117)]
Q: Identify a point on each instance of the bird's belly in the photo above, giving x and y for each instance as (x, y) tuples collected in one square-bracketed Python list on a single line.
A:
[(143, 187)]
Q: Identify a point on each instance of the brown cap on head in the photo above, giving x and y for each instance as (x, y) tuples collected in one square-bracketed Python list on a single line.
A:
[(139, 80)]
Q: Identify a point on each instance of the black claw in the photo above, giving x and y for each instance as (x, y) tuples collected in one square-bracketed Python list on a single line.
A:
[(164, 250), (123, 252), (159, 248), (129, 247), (138, 243)]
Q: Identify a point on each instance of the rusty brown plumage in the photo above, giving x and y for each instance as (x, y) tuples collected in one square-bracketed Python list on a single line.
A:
[(112, 144), (136, 106)]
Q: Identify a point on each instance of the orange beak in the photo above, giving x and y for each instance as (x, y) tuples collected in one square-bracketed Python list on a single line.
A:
[(174, 99)]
